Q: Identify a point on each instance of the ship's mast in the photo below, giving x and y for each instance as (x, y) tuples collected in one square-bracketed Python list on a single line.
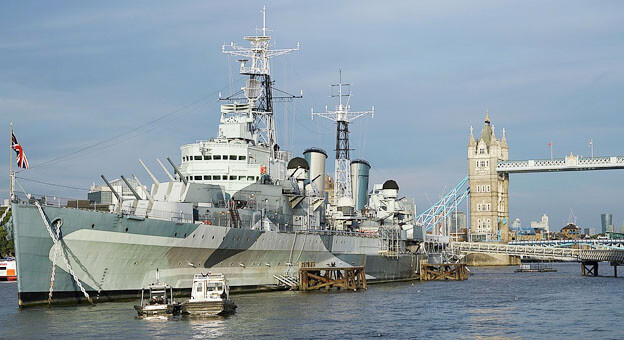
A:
[(343, 195), (258, 91)]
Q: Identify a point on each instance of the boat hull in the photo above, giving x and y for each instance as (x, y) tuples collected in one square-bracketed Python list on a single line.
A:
[(208, 308), (115, 256)]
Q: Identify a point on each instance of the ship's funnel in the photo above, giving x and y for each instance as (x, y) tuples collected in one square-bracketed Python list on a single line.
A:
[(359, 181), (316, 159)]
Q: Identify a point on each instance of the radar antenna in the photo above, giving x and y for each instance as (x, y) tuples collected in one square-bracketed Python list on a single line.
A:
[(343, 195), (258, 90)]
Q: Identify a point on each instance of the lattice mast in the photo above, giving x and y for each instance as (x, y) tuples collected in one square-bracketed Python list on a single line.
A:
[(343, 195), (258, 90)]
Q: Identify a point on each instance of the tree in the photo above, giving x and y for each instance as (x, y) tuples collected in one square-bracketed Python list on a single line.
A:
[(7, 248)]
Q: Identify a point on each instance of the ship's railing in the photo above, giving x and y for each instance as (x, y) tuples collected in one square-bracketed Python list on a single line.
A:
[(338, 232)]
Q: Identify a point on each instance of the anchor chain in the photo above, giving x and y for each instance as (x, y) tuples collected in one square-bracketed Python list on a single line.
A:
[(58, 244)]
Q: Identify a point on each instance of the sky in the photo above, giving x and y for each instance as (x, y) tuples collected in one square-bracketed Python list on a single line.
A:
[(93, 86)]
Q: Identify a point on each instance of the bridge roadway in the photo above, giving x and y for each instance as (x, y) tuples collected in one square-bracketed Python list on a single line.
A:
[(570, 163), (546, 253), (558, 243)]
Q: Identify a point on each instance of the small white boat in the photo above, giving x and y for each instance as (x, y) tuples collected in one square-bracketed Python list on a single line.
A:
[(160, 301), (210, 296)]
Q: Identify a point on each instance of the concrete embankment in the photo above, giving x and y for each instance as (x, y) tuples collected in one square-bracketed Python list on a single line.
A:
[(483, 260)]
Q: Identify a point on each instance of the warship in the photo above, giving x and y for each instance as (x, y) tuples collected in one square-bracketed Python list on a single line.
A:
[(234, 204)]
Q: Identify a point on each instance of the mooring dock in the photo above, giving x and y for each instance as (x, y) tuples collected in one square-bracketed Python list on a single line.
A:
[(311, 278), (443, 271)]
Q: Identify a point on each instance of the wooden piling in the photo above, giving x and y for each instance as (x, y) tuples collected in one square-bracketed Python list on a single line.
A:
[(317, 278), (589, 268), (443, 271)]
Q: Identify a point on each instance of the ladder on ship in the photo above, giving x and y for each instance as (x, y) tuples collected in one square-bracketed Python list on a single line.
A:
[(235, 217), (291, 282)]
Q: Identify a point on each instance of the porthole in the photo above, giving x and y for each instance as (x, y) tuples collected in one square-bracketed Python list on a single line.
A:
[(213, 237), (193, 235), (92, 226), (205, 235)]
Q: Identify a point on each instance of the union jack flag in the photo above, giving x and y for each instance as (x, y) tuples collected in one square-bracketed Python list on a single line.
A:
[(22, 162)]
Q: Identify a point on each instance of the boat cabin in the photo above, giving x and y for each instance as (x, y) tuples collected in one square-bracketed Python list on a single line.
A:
[(209, 287)]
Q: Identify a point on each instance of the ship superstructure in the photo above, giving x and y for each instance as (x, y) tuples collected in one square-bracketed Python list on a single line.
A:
[(234, 204)]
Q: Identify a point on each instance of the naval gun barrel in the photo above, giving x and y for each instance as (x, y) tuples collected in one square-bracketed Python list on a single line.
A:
[(166, 171), (154, 179), (177, 171), (136, 195), (111, 188), (149, 196)]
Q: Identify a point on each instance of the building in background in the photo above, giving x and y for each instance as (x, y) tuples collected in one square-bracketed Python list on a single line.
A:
[(542, 224), (589, 231), (570, 232), (102, 194), (606, 221), (456, 221), (516, 225)]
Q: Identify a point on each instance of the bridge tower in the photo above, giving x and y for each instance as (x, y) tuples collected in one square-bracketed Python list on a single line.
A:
[(489, 190)]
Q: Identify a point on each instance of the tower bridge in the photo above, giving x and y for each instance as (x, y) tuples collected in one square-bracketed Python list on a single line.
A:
[(489, 168), (570, 163)]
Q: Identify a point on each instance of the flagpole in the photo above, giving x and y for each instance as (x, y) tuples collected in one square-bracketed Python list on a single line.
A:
[(11, 164)]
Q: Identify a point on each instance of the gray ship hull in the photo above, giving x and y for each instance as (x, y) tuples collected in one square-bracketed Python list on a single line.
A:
[(115, 256)]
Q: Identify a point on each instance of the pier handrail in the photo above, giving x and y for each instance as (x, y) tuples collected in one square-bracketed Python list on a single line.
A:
[(610, 255)]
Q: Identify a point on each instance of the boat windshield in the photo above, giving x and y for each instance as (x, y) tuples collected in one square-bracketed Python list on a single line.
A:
[(212, 287)]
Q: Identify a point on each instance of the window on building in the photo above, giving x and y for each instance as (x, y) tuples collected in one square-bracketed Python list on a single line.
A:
[(232, 178), (216, 157), (198, 158), (242, 158), (487, 163), (478, 186), (250, 178), (487, 207), (241, 178), (487, 188), (208, 178), (232, 157), (216, 177), (207, 157), (482, 151), (198, 178)]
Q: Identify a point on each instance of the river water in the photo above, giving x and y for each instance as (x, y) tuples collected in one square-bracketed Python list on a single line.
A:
[(493, 302)]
